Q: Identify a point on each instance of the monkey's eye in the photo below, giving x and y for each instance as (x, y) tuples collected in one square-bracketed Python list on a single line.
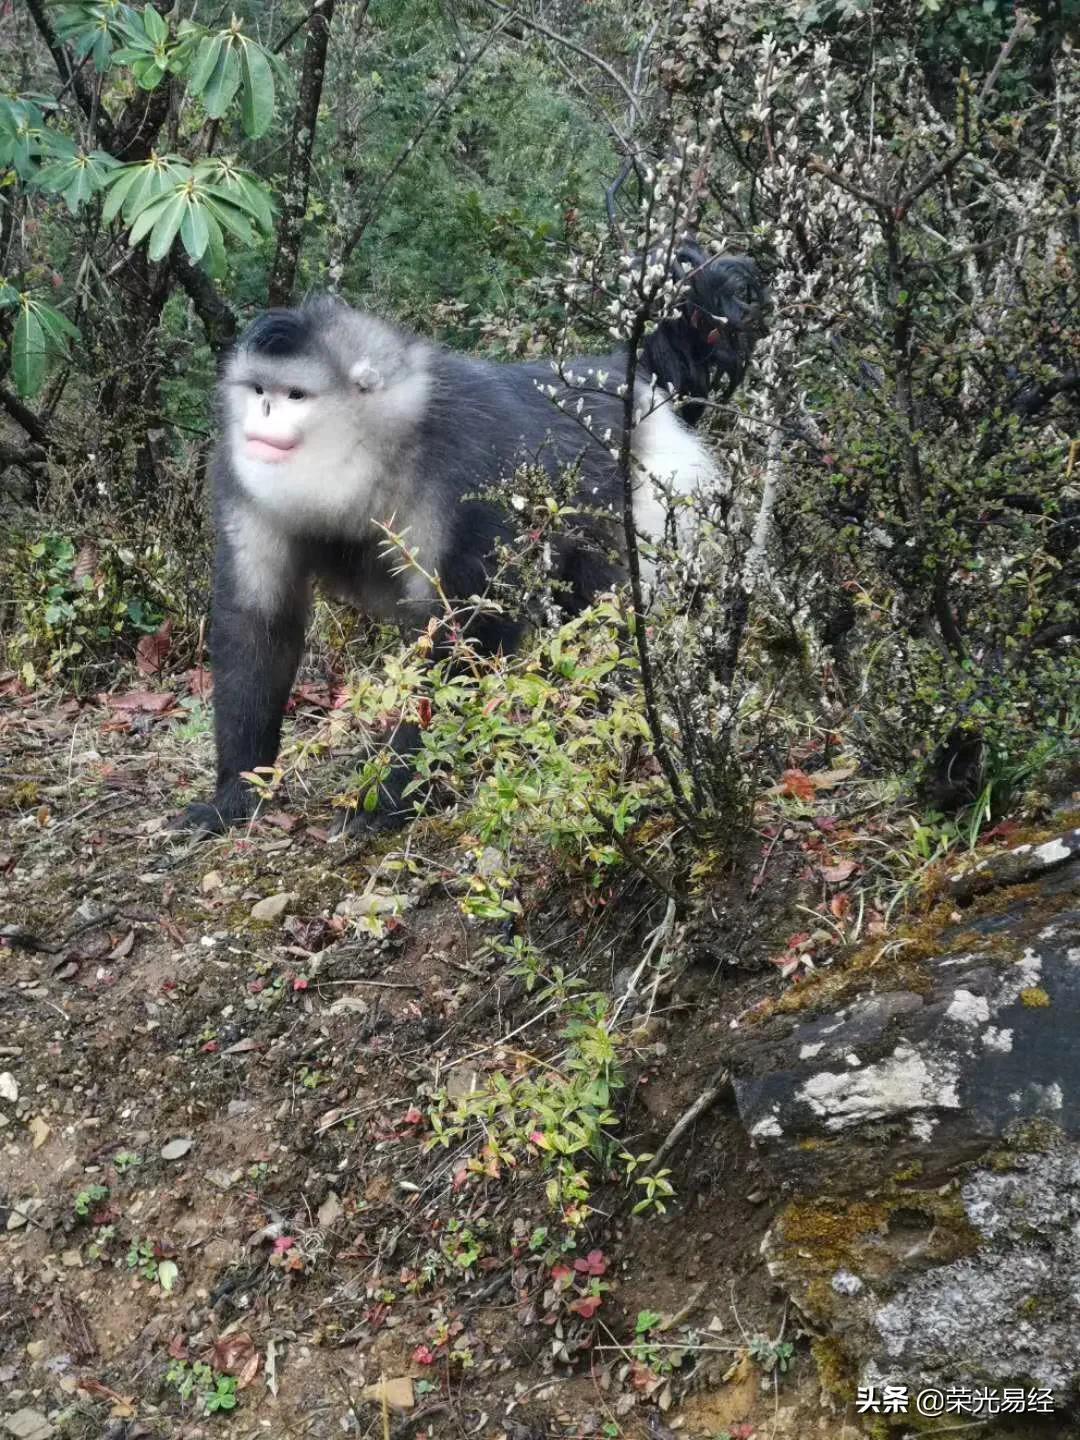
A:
[(258, 389), (295, 394)]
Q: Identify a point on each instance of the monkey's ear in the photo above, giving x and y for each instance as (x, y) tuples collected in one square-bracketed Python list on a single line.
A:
[(365, 376)]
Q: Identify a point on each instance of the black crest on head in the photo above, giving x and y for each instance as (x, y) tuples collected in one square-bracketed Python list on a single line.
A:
[(278, 334), (706, 345)]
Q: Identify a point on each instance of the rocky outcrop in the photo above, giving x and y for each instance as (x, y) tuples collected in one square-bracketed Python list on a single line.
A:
[(922, 1108)]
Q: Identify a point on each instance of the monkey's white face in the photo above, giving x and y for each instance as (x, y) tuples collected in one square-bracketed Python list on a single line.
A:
[(310, 441), (273, 422)]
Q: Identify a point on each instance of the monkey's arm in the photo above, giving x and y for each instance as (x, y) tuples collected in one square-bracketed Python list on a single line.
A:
[(255, 652)]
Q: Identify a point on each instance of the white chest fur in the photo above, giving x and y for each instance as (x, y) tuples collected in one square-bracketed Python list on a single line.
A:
[(669, 451), (327, 489)]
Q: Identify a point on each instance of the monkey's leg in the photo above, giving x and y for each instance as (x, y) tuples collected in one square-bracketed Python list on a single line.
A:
[(255, 661)]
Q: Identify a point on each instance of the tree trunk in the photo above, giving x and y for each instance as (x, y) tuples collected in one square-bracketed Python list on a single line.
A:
[(305, 121)]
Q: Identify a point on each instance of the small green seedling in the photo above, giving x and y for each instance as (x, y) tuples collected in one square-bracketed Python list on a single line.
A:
[(86, 1199)]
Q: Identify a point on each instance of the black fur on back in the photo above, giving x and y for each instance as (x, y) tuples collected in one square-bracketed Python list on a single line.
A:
[(705, 346)]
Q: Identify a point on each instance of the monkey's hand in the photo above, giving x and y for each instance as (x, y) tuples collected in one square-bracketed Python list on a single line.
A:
[(232, 803)]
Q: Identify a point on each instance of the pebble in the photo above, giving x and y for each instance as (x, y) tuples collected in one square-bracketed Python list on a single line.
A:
[(176, 1149), (273, 906)]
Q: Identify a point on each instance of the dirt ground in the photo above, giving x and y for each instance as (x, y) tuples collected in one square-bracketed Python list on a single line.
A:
[(215, 1134)]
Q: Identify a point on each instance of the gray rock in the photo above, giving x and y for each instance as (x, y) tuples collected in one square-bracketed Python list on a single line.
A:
[(923, 1115), (28, 1425)]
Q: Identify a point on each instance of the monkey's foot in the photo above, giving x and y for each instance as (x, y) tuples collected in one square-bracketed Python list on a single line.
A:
[(201, 820), (354, 824), (232, 803)]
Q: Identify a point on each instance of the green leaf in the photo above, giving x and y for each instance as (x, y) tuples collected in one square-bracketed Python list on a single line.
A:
[(129, 54), (223, 84), (194, 230), (257, 95), (256, 198), (237, 198), (59, 147), (28, 351), (57, 326), (148, 72), (153, 178), (206, 60), (167, 1271), (77, 179), (165, 230), (242, 189), (155, 26), (223, 212), (216, 260), (119, 183), (148, 217)]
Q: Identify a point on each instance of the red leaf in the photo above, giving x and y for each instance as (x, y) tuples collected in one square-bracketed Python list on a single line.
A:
[(423, 712), (587, 1306), (311, 693), (840, 905), (283, 1243), (797, 784), (413, 1116), (423, 1355), (593, 1264), (152, 650), (301, 982)]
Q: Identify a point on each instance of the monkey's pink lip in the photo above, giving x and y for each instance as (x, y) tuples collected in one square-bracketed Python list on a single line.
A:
[(272, 450)]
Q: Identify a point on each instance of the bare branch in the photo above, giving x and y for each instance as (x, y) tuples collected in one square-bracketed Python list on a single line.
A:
[(465, 69), (517, 18), (26, 419), (217, 316)]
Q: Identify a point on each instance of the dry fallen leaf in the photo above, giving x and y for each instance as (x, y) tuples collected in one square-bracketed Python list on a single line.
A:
[(273, 906), (152, 650), (236, 1355), (123, 948), (829, 779), (838, 873), (397, 1393), (797, 784), (151, 702)]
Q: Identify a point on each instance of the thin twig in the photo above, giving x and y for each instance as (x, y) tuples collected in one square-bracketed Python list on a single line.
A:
[(413, 143), (541, 29), (719, 1083)]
